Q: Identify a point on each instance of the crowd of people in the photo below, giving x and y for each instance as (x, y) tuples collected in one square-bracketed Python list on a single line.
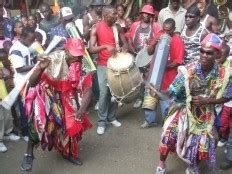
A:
[(52, 108)]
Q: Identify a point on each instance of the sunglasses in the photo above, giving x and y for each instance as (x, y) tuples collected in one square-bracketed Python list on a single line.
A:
[(208, 53), (190, 16)]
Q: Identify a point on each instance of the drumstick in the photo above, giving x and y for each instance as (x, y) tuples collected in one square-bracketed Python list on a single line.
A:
[(161, 95)]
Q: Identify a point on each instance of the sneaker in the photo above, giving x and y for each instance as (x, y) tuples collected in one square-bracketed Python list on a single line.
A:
[(148, 125), (116, 123), (221, 143), (100, 130), (27, 163), (96, 106), (26, 138), (226, 165), (159, 170), (189, 171), (11, 137), (3, 148), (138, 103)]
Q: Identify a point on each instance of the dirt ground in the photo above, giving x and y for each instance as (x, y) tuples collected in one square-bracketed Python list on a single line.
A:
[(125, 150)]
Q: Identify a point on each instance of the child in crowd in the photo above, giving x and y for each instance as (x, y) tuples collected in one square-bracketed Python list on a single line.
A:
[(6, 123), (18, 30)]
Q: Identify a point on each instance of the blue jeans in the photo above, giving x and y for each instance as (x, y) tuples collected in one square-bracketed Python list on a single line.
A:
[(23, 118), (106, 108), (150, 116)]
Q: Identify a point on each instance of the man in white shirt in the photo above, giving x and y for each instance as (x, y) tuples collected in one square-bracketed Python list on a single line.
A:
[(174, 11), (22, 63)]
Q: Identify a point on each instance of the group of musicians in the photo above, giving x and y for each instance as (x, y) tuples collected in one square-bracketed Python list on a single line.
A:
[(59, 89)]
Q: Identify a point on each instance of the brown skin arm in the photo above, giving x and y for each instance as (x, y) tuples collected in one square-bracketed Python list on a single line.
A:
[(214, 24), (24, 68), (93, 41), (199, 100), (86, 26), (204, 34), (33, 80), (84, 103)]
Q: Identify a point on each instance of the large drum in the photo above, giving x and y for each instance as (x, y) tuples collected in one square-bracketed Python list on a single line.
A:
[(124, 78)]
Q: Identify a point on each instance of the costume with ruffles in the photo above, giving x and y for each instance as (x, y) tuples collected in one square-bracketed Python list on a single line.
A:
[(189, 129), (52, 104)]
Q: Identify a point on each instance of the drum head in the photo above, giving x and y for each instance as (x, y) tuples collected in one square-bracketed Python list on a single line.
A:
[(143, 58), (120, 62)]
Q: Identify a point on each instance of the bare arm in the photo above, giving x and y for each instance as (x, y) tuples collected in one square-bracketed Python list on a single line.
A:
[(86, 99), (93, 42), (24, 69), (86, 27), (214, 25)]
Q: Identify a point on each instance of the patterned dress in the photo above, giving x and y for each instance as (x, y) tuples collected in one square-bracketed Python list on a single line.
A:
[(188, 129), (52, 104)]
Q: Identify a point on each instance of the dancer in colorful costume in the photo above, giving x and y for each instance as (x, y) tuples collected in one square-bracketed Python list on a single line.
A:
[(189, 127), (57, 103)]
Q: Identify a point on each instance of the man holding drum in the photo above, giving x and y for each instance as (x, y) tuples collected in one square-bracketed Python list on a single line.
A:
[(141, 32), (176, 56), (103, 42)]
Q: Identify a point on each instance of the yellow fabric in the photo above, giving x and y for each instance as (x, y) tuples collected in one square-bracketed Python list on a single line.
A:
[(3, 91)]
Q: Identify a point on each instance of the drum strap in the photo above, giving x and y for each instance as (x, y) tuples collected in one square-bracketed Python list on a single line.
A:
[(115, 31)]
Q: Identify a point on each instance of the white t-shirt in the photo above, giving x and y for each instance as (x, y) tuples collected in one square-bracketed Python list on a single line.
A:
[(19, 57), (42, 32)]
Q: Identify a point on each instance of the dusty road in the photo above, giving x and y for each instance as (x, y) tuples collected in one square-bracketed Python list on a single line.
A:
[(125, 150)]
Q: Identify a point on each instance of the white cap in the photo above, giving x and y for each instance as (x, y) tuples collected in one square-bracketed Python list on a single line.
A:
[(66, 13)]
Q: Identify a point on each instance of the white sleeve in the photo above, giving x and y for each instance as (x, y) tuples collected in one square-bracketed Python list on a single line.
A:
[(17, 61)]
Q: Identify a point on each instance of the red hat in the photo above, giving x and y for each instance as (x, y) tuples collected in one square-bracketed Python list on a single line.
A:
[(148, 9), (75, 47), (212, 40)]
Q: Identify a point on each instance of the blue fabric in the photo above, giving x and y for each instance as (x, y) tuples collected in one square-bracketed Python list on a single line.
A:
[(59, 31), (151, 116), (8, 28)]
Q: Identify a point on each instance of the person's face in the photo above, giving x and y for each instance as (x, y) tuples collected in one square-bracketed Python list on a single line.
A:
[(168, 29), (120, 11), (98, 9), (32, 21), (29, 39), (70, 58), (112, 16), (146, 17), (128, 23), (46, 11), (38, 17), (202, 7), (175, 4), (18, 28), (207, 57), (24, 21), (191, 19)]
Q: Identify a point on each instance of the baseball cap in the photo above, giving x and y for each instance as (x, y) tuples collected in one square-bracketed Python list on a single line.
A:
[(66, 13)]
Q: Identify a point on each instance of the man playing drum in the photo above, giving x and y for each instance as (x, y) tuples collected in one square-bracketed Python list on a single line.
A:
[(140, 32), (102, 41), (176, 56)]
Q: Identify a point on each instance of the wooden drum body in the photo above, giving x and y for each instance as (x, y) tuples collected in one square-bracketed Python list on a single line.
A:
[(124, 78)]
